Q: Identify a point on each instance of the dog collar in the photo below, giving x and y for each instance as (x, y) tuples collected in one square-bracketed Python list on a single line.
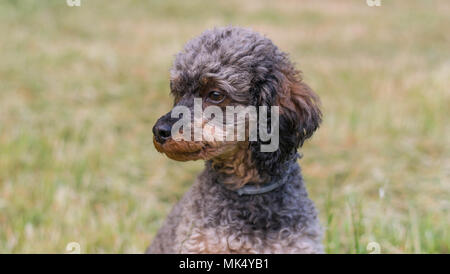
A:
[(275, 183), (259, 189)]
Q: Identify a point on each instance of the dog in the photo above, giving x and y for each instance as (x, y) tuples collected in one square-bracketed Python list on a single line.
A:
[(245, 200)]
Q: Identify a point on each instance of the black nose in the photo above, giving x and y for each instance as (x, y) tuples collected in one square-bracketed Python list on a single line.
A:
[(161, 132)]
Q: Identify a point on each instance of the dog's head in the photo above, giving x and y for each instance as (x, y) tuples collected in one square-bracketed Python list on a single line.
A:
[(236, 67)]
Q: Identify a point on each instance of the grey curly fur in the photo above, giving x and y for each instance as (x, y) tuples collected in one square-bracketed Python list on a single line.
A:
[(212, 218)]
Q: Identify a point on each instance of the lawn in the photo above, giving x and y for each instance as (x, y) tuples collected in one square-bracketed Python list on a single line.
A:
[(81, 87)]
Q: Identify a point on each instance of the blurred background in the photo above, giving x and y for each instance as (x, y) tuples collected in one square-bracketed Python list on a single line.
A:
[(81, 87)]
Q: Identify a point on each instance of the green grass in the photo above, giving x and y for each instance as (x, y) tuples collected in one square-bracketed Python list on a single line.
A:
[(81, 87)]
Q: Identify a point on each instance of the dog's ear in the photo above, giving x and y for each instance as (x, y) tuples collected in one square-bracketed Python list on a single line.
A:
[(299, 115)]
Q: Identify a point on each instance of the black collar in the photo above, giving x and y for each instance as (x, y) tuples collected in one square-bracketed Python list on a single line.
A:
[(276, 181), (259, 189)]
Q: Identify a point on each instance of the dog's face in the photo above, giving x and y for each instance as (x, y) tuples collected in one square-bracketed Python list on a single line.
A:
[(236, 67), (208, 93)]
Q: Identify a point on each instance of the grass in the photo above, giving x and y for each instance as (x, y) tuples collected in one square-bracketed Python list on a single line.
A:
[(81, 87)]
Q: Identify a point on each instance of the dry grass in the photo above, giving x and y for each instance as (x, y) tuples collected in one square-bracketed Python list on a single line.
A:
[(80, 89)]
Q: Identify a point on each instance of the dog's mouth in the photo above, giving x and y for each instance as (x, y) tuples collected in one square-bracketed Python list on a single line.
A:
[(191, 150), (181, 150)]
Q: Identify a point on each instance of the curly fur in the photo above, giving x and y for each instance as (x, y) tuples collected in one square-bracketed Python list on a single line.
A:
[(211, 217)]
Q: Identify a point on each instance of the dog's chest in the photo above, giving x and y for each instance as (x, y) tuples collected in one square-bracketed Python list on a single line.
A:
[(214, 221), (192, 238)]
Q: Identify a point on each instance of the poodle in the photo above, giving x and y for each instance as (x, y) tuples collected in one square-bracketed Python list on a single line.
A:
[(246, 200)]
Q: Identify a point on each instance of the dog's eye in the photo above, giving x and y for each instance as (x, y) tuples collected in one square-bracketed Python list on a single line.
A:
[(216, 96)]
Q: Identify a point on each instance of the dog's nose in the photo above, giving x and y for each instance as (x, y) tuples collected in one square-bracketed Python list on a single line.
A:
[(161, 132)]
